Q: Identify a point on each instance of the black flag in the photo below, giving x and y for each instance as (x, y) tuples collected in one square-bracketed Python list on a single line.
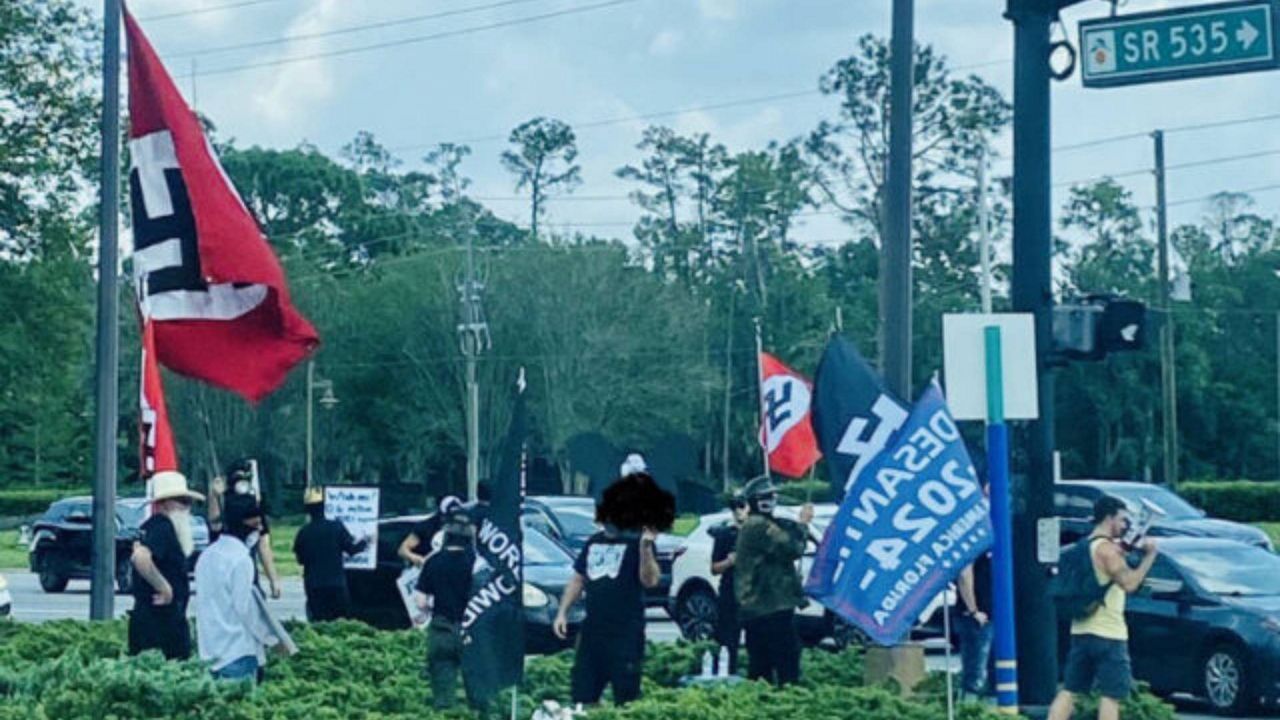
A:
[(854, 414), (493, 627)]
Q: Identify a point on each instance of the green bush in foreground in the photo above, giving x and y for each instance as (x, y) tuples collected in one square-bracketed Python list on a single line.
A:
[(347, 670)]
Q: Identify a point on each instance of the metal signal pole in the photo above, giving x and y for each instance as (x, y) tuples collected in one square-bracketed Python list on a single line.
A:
[(107, 366)]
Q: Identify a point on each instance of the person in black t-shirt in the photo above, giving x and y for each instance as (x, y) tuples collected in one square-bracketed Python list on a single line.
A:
[(320, 547), (446, 579), (158, 620), (723, 558), (417, 545)]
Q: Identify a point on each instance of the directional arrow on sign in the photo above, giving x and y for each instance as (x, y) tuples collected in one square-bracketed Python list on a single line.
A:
[(1247, 34)]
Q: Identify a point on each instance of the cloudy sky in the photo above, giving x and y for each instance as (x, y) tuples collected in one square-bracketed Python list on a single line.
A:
[(743, 70)]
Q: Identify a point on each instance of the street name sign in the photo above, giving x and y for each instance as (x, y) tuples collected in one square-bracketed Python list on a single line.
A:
[(1188, 42)]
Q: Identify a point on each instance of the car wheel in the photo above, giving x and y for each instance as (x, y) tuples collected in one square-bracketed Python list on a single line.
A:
[(846, 635), (1226, 681), (696, 615), (51, 581), (124, 576)]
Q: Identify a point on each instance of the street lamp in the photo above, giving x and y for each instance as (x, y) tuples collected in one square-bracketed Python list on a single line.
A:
[(328, 401)]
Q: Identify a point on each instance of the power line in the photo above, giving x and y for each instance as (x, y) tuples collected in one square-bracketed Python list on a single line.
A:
[(204, 10), (349, 29), (417, 39), (657, 115)]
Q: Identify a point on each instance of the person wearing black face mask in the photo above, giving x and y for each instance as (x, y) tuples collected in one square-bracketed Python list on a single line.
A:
[(320, 547), (231, 632), (444, 587), (768, 585)]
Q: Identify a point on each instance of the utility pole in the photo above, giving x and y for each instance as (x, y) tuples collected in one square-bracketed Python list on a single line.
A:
[(474, 340), (896, 284), (107, 365), (1168, 361), (984, 230), (1033, 293), (328, 401)]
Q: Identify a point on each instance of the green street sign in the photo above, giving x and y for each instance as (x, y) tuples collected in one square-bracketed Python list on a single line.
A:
[(1189, 42)]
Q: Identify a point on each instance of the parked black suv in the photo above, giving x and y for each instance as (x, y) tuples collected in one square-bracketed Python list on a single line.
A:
[(1073, 502), (62, 542)]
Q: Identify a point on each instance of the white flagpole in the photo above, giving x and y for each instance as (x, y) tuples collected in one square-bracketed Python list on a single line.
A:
[(946, 633), (524, 485), (764, 420)]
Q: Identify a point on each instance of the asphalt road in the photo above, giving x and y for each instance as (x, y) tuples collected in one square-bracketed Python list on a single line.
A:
[(31, 604)]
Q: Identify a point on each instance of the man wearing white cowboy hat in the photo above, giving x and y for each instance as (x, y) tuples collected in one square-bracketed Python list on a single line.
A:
[(165, 541)]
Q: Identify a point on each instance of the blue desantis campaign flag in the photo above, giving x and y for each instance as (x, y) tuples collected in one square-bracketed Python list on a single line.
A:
[(914, 518)]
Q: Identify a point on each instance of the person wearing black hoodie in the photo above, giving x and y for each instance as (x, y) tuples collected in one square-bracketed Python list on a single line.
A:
[(320, 547)]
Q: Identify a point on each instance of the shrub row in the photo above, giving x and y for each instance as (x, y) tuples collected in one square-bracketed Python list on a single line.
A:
[(21, 502), (347, 670), (1239, 500)]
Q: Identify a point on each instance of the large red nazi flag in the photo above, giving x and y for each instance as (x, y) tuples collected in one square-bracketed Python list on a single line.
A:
[(207, 279)]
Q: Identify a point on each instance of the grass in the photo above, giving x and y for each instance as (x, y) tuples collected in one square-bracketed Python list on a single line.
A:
[(1272, 529), (12, 555), (282, 534), (685, 524)]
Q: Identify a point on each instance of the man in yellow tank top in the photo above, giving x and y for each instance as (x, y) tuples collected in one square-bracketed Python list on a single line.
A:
[(1099, 657)]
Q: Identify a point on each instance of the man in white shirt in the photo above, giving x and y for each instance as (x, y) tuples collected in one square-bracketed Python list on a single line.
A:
[(232, 632)]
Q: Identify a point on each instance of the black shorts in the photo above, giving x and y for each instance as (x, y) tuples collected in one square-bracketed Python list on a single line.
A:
[(603, 660), (1097, 663)]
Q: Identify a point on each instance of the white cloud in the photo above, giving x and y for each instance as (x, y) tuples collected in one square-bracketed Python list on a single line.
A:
[(718, 9), (288, 91), (666, 42)]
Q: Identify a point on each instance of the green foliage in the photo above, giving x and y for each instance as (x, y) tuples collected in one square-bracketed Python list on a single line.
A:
[(814, 491), (348, 670), (21, 502), (1241, 500)]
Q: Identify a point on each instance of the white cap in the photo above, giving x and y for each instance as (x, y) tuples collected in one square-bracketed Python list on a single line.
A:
[(633, 464)]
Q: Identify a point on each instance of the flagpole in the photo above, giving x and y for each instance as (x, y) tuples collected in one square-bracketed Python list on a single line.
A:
[(764, 422), (102, 590), (524, 489)]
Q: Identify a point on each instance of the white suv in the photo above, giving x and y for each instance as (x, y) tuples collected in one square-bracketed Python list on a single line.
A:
[(694, 588)]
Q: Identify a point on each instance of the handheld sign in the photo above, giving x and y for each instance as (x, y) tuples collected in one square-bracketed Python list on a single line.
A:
[(357, 508)]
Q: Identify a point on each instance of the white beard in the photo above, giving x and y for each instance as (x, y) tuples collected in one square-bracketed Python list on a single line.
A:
[(181, 520)]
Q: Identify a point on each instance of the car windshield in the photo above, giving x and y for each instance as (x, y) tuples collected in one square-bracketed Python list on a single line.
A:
[(539, 550), (1173, 506), (131, 514), (577, 523), (1234, 570)]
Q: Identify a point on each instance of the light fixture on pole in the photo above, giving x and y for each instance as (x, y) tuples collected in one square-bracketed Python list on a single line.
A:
[(328, 401)]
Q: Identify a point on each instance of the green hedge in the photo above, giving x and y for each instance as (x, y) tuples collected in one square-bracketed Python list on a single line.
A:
[(1239, 500), (802, 491), (21, 502), (73, 669)]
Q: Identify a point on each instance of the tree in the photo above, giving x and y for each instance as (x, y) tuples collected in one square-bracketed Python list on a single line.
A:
[(543, 162)]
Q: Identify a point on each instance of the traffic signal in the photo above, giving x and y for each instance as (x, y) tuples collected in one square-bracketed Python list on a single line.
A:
[(1098, 325)]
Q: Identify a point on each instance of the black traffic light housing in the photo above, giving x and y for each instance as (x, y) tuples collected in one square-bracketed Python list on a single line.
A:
[(1097, 325)]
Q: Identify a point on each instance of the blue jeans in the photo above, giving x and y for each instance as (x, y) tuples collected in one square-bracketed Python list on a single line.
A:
[(245, 668), (975, 652)]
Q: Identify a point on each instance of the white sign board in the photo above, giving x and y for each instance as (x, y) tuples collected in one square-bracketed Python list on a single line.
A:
[(965, 364), (357, 508)]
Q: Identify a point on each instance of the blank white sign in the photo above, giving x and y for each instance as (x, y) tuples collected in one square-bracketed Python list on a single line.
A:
[(965, 364)]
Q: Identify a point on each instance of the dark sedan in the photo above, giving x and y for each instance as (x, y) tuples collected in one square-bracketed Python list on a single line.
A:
[(1207, 622), (61, 541), (1073, 502), (571, 520), (376, 600)]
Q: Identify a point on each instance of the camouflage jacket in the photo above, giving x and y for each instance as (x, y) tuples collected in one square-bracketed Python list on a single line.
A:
[(766, 578)]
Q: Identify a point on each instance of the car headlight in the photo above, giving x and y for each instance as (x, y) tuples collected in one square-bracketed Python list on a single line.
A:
[(534, 597)]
